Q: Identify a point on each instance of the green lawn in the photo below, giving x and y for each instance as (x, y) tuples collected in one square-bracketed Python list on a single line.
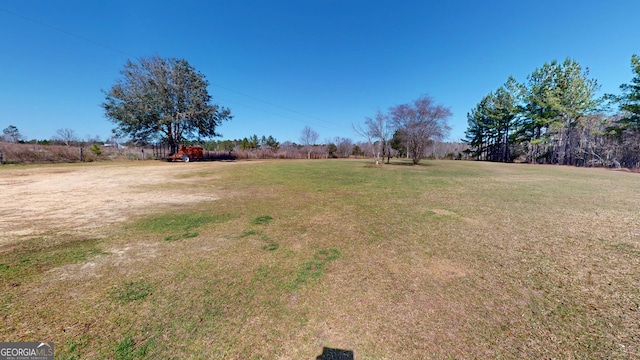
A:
[(448, 259)]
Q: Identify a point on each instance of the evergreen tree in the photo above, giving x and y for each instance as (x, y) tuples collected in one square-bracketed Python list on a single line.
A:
[(629, 101)]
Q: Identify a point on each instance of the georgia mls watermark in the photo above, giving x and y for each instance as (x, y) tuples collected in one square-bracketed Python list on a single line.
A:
[(26, 351)]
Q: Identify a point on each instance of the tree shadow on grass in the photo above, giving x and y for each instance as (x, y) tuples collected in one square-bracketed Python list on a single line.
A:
[(409, 163)]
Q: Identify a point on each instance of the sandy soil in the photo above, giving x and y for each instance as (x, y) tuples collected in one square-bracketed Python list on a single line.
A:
[(37, 200)]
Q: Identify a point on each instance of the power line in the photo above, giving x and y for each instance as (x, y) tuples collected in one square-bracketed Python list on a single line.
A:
[(46, 47), (65, 32), (129, 55), (271, 112), (276, 105)]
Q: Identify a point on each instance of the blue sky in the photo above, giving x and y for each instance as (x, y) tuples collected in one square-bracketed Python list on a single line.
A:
[(283, 65)]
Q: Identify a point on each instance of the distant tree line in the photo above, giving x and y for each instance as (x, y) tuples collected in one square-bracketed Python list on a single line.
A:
[(66, 146), (64, 136), (268, 147), (166, 101), (554, 117)]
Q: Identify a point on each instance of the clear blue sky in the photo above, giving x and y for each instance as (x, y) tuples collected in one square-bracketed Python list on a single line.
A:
[(281, 65)]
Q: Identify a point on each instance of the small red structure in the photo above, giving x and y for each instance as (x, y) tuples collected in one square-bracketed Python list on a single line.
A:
[(187, 153)]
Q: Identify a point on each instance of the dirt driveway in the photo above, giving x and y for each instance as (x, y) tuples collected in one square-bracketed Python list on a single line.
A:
[(52, 199)]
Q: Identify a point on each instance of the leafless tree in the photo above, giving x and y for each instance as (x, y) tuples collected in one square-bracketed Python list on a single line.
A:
[(369, 134), (92, 139), (362, 148), (66, 136), (289, 150), (421, 122), (308, 138), (344, 145), (382, 128)]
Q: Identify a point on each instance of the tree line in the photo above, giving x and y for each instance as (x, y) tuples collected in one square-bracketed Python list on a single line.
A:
[(269, 147), (159, 100), (64, 136), (554, 117), (167, 99), (250, 147)]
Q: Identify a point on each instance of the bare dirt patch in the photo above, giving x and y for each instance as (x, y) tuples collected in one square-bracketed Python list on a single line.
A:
[(121, 258), (37, 200)]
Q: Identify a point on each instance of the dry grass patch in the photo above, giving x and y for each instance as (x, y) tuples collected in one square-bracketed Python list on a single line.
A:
[(82, 199)]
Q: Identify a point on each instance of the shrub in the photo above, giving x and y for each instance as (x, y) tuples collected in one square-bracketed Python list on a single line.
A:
[(96, 150)]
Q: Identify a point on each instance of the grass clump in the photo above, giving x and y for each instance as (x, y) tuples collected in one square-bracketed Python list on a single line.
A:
[(314, 269), (132, 291), (186, 235), (72, 349), (271, 246), (127, 349), (182, 222), (172, 238), (172, 222), (36, 256), (250, 233), (5, 301), (327, 255), (262, 220)]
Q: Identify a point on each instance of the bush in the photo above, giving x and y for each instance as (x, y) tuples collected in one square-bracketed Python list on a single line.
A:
[(96, 150)]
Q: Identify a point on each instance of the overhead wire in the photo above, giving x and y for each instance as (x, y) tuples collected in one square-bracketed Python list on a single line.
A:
[(271, 112), (47, 47), (275, 105), (83, 38), (64, 31)]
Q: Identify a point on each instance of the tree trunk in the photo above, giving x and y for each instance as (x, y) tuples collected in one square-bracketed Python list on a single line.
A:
[(506, 145)]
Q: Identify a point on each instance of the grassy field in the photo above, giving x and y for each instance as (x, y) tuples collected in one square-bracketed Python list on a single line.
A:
[(443, 260)]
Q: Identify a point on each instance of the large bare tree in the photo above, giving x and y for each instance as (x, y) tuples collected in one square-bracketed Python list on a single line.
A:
[(421, 122), (382, 128), (369, 134), (308, 138), (344, 146), (66, 136)]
